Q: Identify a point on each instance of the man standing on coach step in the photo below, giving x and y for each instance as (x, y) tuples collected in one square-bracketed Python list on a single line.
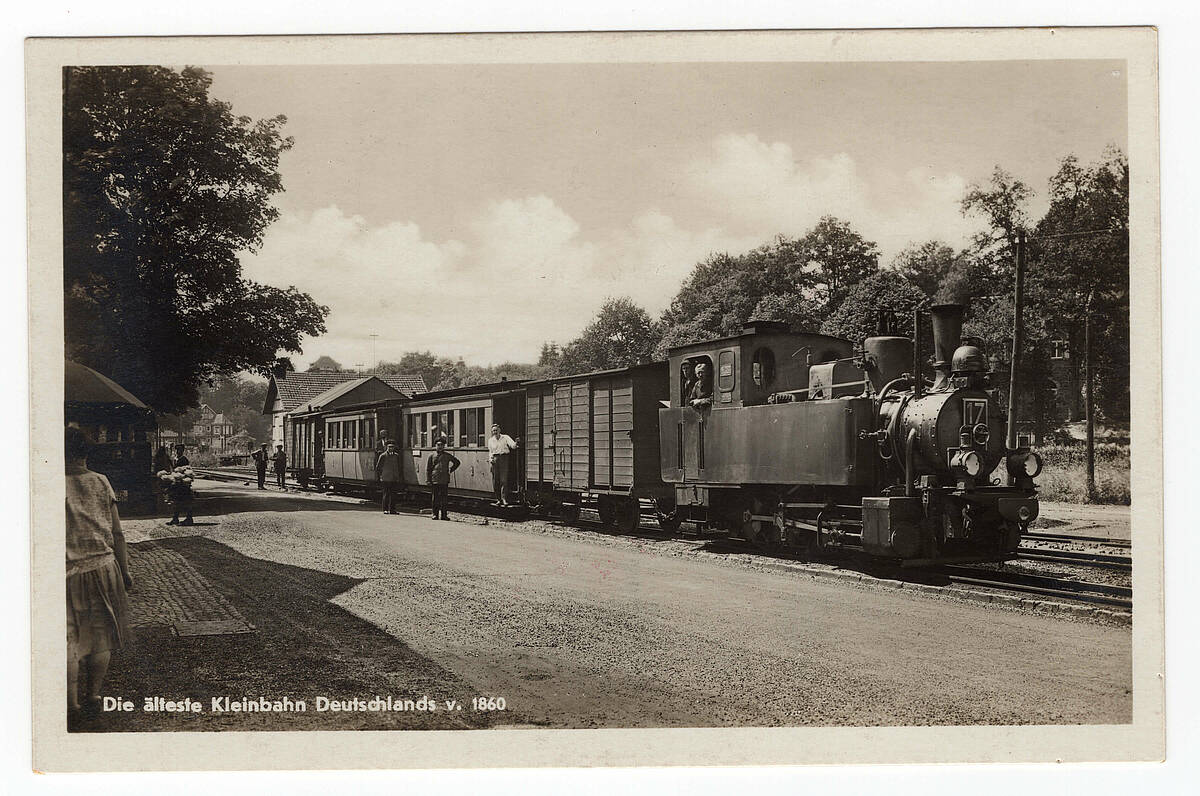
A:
[(438, 470), (500, 446), (387, 473), (261, 457)]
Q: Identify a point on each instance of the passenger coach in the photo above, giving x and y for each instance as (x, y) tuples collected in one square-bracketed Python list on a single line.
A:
[(463, 417)]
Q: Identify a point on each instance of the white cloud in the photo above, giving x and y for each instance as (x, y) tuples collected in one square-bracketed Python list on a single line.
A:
[(526, 272), (766, 189)]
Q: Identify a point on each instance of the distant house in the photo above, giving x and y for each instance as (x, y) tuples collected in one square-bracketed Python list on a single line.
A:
[(291, 390), (212, 431)]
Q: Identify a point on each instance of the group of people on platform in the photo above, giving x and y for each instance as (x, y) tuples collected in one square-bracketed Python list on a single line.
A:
[(263, 457), (389, 470)]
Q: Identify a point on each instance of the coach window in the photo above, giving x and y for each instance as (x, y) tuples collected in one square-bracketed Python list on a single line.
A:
[(762, 367), (450, 427)]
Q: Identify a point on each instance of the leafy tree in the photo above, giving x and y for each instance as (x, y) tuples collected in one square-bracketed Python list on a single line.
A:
[(550, 356), (163, 187), (620, 335), (857, 316), (1002, 204), (797, 280), (837, 257), (943, 274), (241, 400), (324, 363), (1081, 249), (425, 364)]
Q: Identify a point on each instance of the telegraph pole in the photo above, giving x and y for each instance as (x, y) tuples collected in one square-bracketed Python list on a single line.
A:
[(1018, 340), (1089, 405)]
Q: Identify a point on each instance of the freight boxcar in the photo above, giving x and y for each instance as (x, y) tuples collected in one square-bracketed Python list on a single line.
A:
[(592, 441)]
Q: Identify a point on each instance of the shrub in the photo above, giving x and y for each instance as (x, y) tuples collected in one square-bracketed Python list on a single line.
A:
[(1064, 475)]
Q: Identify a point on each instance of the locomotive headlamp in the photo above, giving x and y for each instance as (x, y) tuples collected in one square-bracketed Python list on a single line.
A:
[(1024, 464), (969, 462)]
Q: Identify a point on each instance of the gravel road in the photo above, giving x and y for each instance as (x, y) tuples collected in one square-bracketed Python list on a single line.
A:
[(582, 635)]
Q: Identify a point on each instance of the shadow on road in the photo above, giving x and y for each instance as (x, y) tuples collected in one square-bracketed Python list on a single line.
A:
[(303, 647)]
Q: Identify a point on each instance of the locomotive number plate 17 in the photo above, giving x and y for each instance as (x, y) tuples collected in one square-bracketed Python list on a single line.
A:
[(975, 411)]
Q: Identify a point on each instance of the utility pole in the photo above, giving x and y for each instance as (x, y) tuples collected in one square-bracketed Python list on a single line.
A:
[(1088, 403), (1018, 340)]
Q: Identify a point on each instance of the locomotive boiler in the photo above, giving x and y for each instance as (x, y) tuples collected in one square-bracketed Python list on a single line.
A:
[(805, 441)]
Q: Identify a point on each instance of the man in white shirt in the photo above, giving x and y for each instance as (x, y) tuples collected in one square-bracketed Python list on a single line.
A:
[(500, 446)]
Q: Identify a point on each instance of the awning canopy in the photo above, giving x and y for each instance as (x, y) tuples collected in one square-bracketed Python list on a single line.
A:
[(85, 386)]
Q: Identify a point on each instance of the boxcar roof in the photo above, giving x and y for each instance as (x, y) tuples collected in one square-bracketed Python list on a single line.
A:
[(593, 374)]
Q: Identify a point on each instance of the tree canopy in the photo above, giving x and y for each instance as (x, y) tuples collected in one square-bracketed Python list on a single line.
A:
[(325, 363), (619, 336), (797, 280), (857, 317), (163, 188)]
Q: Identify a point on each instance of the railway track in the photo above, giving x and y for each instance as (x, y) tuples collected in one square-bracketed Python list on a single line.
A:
[(1096, 560), (1081, 591), (1074, 590), (1067, 537)]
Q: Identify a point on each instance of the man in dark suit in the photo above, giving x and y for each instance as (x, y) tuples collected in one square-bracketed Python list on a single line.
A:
[(280, 460), (437, 472), (261, 457), (388, 472)]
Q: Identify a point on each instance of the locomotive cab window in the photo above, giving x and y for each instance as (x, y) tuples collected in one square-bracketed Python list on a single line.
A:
[(695, 379), (762, 368)]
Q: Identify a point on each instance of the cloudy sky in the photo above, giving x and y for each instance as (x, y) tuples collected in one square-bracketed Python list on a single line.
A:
[(478, 211)]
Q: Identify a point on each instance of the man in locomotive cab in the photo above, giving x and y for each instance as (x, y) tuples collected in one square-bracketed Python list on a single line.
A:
[(687, 379), (700, 396), (388, 470)]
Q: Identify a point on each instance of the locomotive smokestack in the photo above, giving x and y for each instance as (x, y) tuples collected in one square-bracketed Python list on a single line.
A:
[(947, 331)]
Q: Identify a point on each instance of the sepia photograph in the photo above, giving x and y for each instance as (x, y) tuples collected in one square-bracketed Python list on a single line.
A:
[(653, 383)]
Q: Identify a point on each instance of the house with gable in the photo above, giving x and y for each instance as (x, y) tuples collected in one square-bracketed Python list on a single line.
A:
[(294, 391)]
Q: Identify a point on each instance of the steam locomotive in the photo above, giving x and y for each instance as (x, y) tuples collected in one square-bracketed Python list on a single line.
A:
[(799, 440), (849, 448)]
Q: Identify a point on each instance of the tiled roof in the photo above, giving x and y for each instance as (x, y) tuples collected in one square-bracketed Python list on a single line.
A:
[(296, 388), (379, 391)]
